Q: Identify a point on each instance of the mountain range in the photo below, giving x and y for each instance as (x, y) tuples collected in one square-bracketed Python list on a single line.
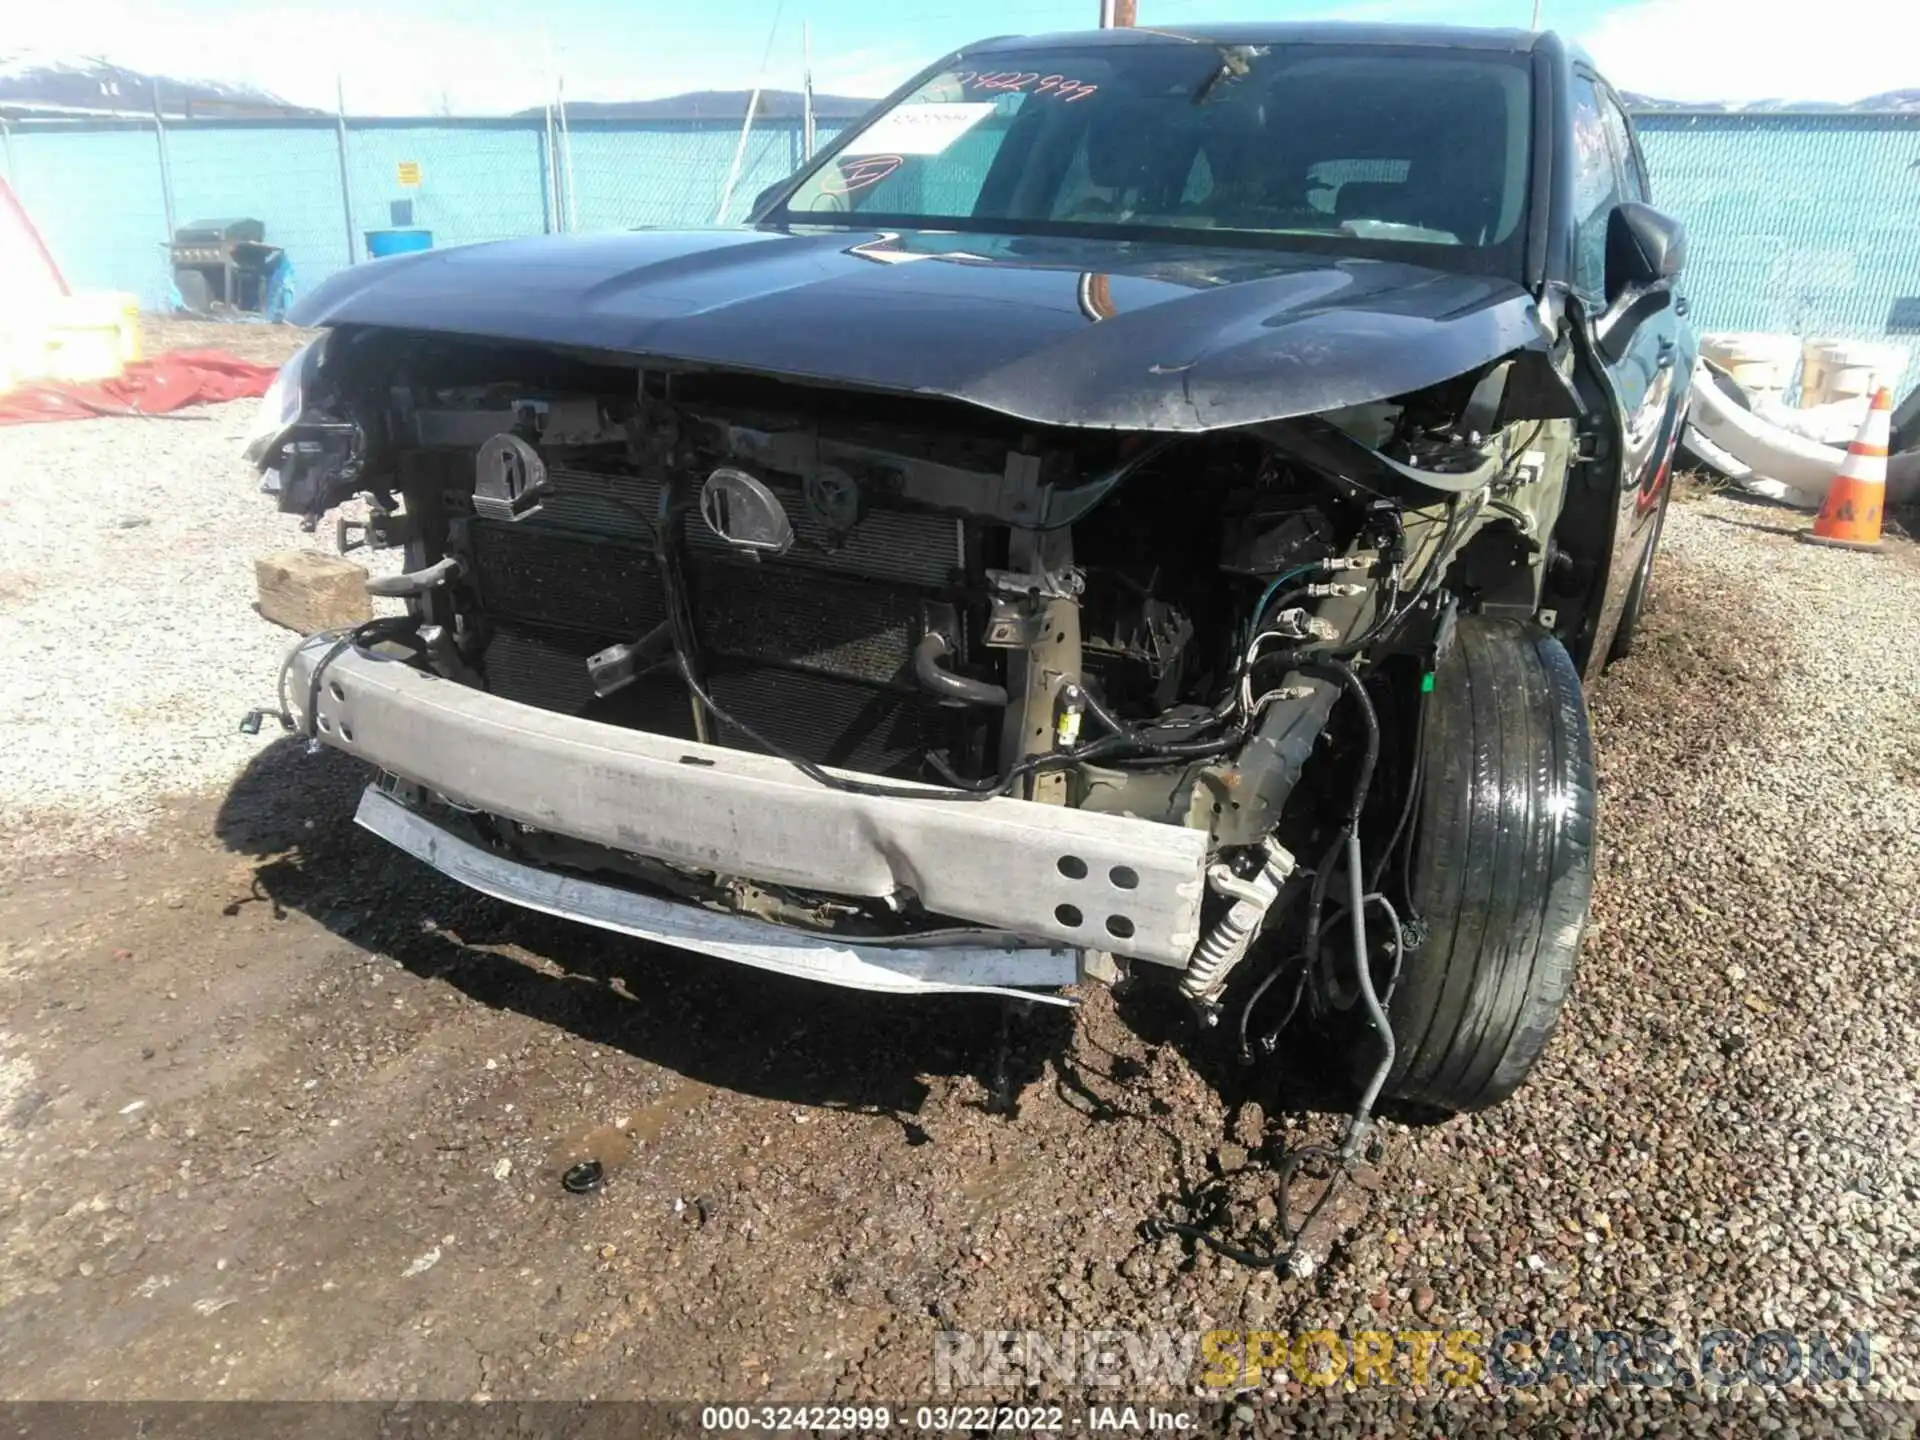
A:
[(1902, 101), (36, 84)]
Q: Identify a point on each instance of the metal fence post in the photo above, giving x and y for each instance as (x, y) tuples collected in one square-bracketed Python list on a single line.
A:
[(806, 93), (340, 138), (549, 171), (166, 164), (569, 207)]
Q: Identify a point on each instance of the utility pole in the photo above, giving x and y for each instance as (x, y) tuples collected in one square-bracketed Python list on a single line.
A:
[(340, 149), (570, 210), (1536, 16), (1106, 14), (1126, 13), (807, 91), (166, 161), (746, 125)]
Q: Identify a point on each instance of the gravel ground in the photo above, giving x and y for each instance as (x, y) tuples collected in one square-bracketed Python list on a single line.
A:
[(127, 627), (285, 1112)]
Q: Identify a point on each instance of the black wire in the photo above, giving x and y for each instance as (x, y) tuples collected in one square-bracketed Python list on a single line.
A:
[(1399, 944), (1457, 516), (1111, 745), (1332, 669), (1285, 1174), (1316, 901), (1338, 670), (1391, 614), (1259, 993), (1363, 781), (383, 626), (819, 776)]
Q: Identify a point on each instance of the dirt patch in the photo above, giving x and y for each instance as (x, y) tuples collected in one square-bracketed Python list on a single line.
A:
[(285, 1113), (261, 343)]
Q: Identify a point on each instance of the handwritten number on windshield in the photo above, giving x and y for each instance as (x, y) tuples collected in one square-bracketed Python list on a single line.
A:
[(1030, 82)]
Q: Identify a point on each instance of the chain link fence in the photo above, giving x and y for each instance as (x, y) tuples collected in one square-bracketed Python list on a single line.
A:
[(108, 194), (1800, 223)]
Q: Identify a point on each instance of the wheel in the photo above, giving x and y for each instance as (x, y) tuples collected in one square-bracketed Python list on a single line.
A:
[(1501, 869), (1623, 633)]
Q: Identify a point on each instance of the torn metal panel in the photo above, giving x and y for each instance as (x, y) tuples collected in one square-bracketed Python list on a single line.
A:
[(889, 969)]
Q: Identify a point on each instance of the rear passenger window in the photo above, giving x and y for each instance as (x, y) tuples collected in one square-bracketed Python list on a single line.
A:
[(1596, 190)]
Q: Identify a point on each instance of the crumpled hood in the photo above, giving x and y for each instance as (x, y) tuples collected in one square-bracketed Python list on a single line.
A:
[(1099, 334)]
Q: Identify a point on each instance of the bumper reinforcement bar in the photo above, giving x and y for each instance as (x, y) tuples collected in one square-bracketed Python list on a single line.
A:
[(1055, 875)]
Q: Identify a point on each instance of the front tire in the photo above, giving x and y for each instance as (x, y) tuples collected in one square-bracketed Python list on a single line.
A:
[(1502, 867)]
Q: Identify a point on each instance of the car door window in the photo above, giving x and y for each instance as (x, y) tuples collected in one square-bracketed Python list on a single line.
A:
[(1596, 189), (1626, 156)]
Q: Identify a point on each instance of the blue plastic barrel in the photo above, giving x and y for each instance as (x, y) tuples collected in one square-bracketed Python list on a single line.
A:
[(381, 243)]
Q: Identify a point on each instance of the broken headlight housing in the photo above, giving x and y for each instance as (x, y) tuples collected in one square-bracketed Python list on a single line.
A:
[(280, 407)]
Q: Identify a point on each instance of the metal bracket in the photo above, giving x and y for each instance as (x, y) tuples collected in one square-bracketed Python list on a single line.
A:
[(509, 478), (1020, 489), (381, 530), (1015, 622), (445, 656), (416, 582), (618, 666)]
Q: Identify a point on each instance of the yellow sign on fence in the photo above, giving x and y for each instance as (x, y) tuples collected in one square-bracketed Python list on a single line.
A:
[(408, 172)]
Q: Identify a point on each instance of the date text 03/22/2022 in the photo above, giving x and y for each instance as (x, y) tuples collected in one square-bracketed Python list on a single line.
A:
[(964, 1419)]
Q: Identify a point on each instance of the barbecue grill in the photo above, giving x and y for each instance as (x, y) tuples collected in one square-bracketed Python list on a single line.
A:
[(227, 265)]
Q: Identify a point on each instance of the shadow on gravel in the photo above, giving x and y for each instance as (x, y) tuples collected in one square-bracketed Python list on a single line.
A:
[(1764, 529), (721, 1024)]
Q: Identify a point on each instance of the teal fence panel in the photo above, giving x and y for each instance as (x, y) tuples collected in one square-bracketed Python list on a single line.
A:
[(96, 196), (668, 173), (477, 180), (288, 176), (1803, 224), (1798, 224)]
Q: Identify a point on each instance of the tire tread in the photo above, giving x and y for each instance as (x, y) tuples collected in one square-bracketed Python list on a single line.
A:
[(1503, 867)]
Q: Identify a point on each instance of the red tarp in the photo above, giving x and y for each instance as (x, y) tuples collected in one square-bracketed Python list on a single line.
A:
[(150, 387)]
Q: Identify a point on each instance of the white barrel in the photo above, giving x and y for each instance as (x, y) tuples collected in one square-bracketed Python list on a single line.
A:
[(1759, 363), (1833, 370)]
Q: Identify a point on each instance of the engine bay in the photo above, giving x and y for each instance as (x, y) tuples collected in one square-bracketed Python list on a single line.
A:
[(904, 588), (908, 596)]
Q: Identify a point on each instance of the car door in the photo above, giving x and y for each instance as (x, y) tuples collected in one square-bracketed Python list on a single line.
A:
[(1638, 332), (1661, 336)]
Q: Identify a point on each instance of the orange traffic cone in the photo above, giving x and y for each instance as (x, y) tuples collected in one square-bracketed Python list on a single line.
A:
[(1850, 517)]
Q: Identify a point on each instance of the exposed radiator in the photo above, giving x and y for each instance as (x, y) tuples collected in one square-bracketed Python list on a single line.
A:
[(813, 650), (829, 721), (897, 545), (764, 612)]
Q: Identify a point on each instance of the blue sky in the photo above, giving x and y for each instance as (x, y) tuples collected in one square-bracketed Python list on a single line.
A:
[(491, 56)]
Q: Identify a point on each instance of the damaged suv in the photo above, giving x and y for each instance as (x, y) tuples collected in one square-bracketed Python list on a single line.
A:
[(1140, 502)]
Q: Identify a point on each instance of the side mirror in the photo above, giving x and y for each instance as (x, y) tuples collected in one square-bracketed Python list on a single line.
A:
[(1644, 247)]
